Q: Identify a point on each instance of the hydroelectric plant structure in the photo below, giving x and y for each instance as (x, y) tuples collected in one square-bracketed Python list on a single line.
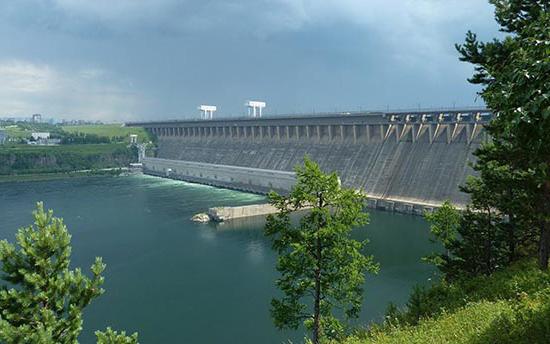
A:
[(404, 161)]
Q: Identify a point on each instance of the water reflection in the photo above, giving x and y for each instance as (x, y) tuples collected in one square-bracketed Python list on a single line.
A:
[(255, 250), (176, 281), (241, 224)]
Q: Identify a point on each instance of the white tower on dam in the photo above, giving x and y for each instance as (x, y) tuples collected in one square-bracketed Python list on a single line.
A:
[(254, 108), (207, 111)]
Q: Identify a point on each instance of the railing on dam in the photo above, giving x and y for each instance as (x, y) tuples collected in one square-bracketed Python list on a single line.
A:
[(314, 115), (456, 125)]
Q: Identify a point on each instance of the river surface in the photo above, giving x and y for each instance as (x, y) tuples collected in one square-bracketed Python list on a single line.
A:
[(175, 281)]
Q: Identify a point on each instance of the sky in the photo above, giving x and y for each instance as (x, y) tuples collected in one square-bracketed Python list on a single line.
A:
[(118, 60)]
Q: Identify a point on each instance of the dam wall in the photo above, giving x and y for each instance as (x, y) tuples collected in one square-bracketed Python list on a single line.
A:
[(397, 159), (233, 177)]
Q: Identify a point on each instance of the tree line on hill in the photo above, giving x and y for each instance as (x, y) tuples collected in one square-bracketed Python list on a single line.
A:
[(83, 138), (64, 158)]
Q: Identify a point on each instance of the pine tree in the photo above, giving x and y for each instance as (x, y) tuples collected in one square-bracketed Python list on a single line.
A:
[(114, 337), (515, 166), (322, 268), (43, 300), (475, 241)]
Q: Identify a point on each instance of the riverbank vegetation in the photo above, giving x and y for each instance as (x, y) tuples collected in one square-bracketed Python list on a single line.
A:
[(495, 285), (511, 306), (33, 159), (82, 147), (42, 300)]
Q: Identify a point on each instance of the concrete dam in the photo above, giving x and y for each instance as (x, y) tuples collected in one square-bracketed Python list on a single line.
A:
[(402, 161)]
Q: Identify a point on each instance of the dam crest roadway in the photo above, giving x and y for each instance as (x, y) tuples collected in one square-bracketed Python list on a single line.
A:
[(404, 161)]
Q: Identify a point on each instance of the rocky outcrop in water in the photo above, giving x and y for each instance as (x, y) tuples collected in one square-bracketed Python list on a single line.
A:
[(201, 217)]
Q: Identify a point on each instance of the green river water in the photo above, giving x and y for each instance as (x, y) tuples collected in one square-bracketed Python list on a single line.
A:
[(175, 281)]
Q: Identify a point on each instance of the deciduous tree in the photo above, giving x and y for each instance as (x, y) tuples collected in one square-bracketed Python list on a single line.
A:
[(322, 268)]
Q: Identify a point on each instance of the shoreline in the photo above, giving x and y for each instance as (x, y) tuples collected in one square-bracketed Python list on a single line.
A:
[(33, 177)]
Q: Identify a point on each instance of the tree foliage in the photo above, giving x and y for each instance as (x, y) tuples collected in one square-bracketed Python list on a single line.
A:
[(25, 159), (474, 242), (322, 268), (43, 299), (444, 225), (513, 188), (114, 337)]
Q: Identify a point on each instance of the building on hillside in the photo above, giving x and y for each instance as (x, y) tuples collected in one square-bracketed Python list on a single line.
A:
[(3, 137), (37, 118), (40, 136), (43, 139)]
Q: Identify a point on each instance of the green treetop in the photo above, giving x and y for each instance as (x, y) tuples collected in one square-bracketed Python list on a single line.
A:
[(514, 167), (43, 300), (322, 268)]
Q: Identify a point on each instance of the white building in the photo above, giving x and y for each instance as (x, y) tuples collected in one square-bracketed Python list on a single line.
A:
[(40, 136)]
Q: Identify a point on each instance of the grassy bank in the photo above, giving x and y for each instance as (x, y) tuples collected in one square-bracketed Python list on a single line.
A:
[(17, 132), (511, 306), (27, 159)]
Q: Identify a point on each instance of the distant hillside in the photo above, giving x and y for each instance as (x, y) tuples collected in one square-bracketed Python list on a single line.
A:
[(25, 159), (112, 131)]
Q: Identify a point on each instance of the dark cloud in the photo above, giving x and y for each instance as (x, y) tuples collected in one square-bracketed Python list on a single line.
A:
[(162, 58)]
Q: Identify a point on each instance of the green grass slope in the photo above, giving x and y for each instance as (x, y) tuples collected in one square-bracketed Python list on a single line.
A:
[(109, 130), (17, 132), (511, 306), (464, 326)]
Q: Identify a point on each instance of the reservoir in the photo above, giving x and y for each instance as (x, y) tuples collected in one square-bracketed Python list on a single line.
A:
[(175, 281)]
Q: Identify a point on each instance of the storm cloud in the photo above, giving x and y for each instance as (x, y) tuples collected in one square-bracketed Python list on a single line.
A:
[(148, 59)]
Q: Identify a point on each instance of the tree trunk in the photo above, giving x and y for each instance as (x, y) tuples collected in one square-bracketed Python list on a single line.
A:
[(544, 240), (317, 301), (489, 242), (511, 242), (544, 245), (316, 312)]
